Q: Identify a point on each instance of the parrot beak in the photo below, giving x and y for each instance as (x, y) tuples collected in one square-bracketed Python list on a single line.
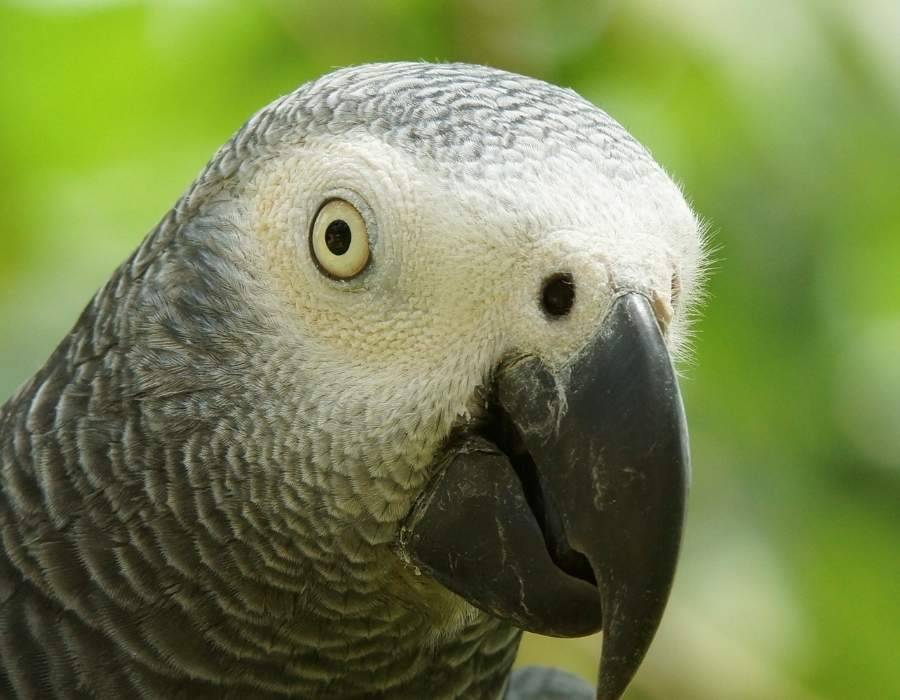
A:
[(563, 512)]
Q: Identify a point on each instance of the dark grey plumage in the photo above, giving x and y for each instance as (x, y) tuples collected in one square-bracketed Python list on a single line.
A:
[(172, 521), (150, 549)]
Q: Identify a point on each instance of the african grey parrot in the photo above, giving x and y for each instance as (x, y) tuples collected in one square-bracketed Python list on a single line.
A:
[(389, 384)]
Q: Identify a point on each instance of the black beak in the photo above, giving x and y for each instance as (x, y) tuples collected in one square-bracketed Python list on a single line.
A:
[(563, 514)]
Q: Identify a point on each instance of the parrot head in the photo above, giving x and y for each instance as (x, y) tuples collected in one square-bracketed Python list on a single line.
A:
[(459, 292)]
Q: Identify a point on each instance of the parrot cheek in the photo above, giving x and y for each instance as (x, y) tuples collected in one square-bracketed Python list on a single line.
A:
[(562, 512)]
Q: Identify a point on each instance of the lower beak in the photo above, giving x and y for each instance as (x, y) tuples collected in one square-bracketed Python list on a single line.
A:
[(564, 515)]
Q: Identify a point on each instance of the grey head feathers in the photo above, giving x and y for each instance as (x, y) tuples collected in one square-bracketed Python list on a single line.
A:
[(185, 512)]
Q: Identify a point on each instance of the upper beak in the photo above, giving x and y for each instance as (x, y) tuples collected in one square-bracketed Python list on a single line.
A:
[(566, 514)]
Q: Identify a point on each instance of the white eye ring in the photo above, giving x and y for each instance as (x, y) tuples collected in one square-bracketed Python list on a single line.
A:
[(340, 240)]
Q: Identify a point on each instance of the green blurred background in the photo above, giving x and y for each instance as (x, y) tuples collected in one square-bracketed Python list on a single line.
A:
[(780, 119)]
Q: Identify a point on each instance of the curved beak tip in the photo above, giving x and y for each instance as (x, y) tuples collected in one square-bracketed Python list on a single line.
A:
[(604, 493)]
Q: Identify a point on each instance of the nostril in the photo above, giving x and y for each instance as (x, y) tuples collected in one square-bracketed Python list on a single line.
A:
[(558, 294)]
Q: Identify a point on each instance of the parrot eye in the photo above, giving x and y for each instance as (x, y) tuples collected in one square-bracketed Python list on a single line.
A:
[(340, 240)]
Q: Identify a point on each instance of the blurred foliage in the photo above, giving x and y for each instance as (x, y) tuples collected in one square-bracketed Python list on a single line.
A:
[(779, 119)]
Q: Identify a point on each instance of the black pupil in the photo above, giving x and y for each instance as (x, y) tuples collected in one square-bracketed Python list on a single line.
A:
[(338, 237), (559, 294)]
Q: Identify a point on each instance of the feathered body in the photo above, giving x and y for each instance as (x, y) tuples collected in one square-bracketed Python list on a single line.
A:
[(201, 488)]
